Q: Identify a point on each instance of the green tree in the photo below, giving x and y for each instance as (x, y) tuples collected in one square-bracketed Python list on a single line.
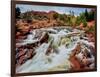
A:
[(18, 12), (92, 14), (86, 15), (56, 15)]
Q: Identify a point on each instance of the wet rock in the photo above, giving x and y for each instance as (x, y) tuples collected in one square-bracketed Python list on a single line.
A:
[(21, 53), (21, 60), (30, 54), (38, 34), (44, 37), (35, 44), (81, 58), (92, 49), (24, 53), (48, 51), (76, 65), (76, 62), (76, 50), (86, 53)]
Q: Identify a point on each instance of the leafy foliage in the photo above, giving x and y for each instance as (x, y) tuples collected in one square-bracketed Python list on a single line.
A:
[(18, 12)]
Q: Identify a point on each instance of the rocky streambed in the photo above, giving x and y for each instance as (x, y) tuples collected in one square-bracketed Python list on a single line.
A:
[(54, 49)]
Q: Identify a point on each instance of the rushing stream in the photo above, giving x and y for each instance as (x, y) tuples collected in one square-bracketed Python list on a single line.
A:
[(61, 42)]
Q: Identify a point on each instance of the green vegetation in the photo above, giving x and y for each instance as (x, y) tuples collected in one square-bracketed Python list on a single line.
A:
[(65, 41), (61, 19), (86, 17), (91, 29), (18, 12)]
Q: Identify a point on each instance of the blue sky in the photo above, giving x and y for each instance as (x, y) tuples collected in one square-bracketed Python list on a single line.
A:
[(59, 9)]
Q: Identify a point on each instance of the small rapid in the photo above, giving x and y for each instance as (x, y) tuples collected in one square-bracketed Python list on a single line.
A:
[(61, 43)]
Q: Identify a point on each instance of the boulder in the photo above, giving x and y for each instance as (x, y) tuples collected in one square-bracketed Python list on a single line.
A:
[(44, 37)]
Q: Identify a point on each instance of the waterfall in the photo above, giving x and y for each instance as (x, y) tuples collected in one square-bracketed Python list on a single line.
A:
[(53, 62)]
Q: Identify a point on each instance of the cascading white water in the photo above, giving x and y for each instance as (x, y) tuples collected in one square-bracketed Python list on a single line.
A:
[(53, 62)]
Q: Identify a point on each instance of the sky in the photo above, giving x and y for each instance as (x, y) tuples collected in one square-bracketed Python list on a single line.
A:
[(59, 9)]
